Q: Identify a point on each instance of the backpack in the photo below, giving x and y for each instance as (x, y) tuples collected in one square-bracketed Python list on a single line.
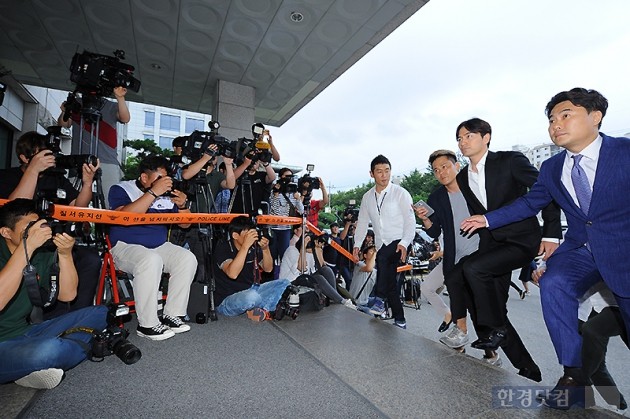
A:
[(311, 296)]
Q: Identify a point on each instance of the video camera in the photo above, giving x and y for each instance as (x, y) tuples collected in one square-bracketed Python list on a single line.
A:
[(198, 142), (351, 213), (63, 162), (255, 149), (307, 183), (113, 339), (98, 74)]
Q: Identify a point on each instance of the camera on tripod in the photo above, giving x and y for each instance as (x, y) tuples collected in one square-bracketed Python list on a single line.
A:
[(351, 213), (100, 74), (63, 162), (255, 149), (113, 339)]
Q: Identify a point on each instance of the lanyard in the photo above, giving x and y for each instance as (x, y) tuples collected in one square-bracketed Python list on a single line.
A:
[(378, 207)]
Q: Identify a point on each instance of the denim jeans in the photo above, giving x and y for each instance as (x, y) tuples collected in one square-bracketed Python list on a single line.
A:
[(265, 296), (40, 347)]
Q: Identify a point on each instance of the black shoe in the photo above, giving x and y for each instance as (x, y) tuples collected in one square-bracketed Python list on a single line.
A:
[(444, 326), (492, 342), (567, 393), (532, 372), (622, 403)]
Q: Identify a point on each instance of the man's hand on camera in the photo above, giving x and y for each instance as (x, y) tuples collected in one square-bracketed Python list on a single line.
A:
[(178, 198), (89, 171), (120, 92), (41, 161), (162, 185), (64, 243), (263, 243), (38, 234), (251, 237)]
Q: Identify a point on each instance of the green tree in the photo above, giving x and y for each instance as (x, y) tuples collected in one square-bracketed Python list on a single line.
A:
[(420, 185), (142, 149)]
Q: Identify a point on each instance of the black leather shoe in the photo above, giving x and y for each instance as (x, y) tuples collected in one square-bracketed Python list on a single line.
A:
[(492, 342), (567, 393), (444, 326), (532, 372)]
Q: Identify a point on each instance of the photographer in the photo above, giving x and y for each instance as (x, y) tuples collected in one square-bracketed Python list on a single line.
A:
[(239, 259), (143, 250), (284, 201), (298, 261), (252, 186), (31, 354), (364, 277), (315, 205), (345, 265), (110, 113), (37, 178), (215, 178)]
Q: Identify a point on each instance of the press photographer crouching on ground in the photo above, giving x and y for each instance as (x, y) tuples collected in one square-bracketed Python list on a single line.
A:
[(41, 176), (306, 267), (143, 250), (31, 353), (239, 259)]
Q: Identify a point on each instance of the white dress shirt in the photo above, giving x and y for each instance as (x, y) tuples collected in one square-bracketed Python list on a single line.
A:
[(477, 180), (588, 163), (391, 215)]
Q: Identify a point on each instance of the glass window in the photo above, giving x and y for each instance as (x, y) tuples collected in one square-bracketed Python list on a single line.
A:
[(169, 122), (148, 136), (193, 125), (149, 119), (166, 142)]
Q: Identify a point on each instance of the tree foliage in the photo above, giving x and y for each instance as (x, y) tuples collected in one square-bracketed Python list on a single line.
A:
[(142, 149)]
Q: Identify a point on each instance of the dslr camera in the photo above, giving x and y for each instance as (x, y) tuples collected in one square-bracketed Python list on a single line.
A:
[(113, 339), (63, 162), (288, 185), (351, 213), (289, 304)]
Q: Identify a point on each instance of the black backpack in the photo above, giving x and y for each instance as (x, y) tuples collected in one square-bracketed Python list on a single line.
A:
[(311, 296)]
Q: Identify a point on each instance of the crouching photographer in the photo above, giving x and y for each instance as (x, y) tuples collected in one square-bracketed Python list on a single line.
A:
[(31, 352), (304, 265), (239, 259)]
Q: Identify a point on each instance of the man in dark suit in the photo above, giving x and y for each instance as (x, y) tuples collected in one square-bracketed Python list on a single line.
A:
[(596, 243), (490, 181)]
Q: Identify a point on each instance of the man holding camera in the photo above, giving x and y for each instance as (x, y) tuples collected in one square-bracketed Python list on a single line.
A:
[(314, 205), (32, 354), (143, 250), (38, 178), (252, 186), (110, 113), (238, 278)]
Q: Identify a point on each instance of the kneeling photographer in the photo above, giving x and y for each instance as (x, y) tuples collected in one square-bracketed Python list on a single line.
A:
[(31, 353), (305, 266), (239, 259), (42, 176)]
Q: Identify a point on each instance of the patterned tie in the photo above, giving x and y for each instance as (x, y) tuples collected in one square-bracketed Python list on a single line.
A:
[(580, 183)]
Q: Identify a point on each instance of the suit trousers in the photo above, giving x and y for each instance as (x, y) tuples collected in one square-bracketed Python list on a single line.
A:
[(513, 347), (482, 270), (387, 260)]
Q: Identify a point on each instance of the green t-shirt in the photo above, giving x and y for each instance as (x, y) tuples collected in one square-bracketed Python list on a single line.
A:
[(13, 319)]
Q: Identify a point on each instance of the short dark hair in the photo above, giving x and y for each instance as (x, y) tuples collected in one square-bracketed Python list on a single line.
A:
[(368, 247), (152, 163), (475, 125), (240, 224), (178, 141), (442, 153), (334, 224), (380, 159), (589, 99), (13, 211), (284, 169), (29, 143)]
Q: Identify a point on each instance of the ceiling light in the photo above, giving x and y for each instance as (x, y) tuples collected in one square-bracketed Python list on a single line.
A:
[(156, 66), (297, 17)]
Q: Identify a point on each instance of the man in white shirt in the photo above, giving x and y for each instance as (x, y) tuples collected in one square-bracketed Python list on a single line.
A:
[(389, 208)]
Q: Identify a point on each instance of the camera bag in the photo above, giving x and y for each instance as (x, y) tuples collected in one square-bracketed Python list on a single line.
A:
[(311, 296)]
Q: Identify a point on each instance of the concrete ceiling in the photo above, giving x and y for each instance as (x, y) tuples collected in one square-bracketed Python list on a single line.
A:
[(288, 50)]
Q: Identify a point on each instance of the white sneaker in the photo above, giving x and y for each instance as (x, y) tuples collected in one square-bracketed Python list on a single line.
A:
[(455, 338), (175, 324), (158, 332), (493, 360), (348, 303), (43, 379)]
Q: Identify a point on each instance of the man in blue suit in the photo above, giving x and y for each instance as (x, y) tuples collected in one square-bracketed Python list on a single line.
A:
[(590, 181)]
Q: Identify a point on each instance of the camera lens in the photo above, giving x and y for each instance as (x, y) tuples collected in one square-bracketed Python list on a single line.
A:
[(126, 351)]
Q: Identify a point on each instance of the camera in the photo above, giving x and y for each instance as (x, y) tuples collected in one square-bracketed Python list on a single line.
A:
[(288, 185), (323, 238), (63, 162), (100, 74), (289, 304), (351, 213), (307, 182), (113, 339), (198, 142), (256, 148)]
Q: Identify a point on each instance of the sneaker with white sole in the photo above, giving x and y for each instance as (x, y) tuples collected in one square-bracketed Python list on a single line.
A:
[(401, 324), (175, 324), (42, 379), (455, 338), (493, 360), (158, 332), (378, 308), (348, 303)]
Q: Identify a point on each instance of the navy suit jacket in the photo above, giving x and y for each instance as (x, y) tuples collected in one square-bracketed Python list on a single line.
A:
[(606, 227)]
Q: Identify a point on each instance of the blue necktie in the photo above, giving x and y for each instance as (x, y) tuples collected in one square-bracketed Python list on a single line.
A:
[(580, 183)]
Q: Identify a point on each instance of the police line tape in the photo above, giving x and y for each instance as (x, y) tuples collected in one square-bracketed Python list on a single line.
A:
[(124, 218)]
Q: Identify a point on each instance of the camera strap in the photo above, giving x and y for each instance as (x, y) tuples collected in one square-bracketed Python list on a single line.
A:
[(39, 297), (291, 206), (87, 348)]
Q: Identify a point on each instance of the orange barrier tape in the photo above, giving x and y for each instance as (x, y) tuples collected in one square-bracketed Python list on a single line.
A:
[(103, 216), (334, 244), (404, 268), (277, 220)]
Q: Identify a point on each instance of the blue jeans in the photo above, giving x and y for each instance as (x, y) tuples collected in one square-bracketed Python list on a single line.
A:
[(265, 296), (40, 347)]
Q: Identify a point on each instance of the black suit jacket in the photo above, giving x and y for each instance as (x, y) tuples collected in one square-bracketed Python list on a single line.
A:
[(509, 175), (442, 220)]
